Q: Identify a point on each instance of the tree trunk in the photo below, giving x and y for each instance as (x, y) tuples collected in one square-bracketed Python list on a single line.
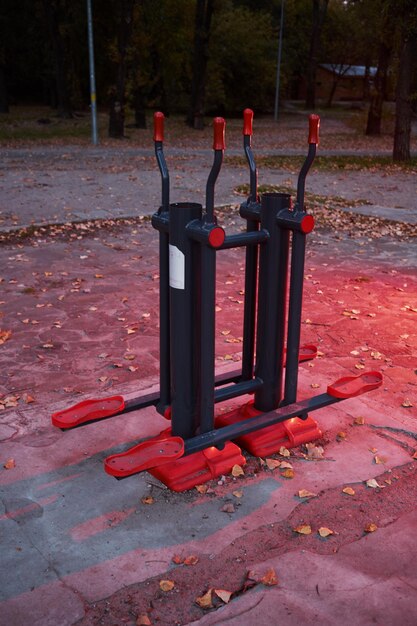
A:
[(51, 8), (379, 91), (4, 99), (319, 14), (204, 12), (117, 96), (403, 111)]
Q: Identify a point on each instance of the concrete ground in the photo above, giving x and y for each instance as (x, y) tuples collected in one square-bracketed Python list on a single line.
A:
[(79, 319)]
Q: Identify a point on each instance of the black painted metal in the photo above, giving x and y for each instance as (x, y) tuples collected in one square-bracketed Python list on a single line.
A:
[(273, 272), (184, 288), (228, 433)]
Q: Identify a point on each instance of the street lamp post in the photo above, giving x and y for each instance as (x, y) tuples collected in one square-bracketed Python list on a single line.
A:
[(94, 134), (281, 28)]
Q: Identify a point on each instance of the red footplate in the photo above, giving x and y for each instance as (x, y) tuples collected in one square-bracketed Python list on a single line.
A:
[(198, 468), (88, 411), (145, 455), (351, 386), (291, 433)]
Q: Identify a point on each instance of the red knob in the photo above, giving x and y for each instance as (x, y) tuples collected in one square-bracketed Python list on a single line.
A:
[(247, 121), (314, 125), (218, 133), (158, 126)]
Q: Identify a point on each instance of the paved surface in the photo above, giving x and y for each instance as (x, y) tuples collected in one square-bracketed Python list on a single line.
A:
[(79, 547)]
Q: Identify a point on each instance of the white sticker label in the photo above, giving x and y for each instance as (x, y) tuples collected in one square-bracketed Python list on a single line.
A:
[(176, 268)]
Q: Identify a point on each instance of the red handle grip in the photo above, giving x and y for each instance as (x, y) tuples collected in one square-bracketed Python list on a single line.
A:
[(158, 126), (313, 131), (218, 133), (247, 122)]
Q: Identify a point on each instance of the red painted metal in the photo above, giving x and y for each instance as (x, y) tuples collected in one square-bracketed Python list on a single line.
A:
[(218, 129), (216, 237), (351, 386), (198, 468), (290, 434), (247, 122), (314, 125), (307, 224), (88, 411), (156, 451), (158, 126)]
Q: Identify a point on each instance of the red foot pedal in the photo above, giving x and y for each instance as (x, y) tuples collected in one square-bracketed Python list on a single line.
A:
[(291, 433), (144, 456), (198, 468), (351, 386), (307, 352), (88, 411)]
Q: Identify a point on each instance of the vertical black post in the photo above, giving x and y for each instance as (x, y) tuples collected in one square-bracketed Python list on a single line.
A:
[(297, 273), (164, 340), (273, 272), (208, 288), (251, 261), (184, 288)]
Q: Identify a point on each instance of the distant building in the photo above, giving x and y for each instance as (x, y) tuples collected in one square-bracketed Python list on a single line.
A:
[(348, 82)]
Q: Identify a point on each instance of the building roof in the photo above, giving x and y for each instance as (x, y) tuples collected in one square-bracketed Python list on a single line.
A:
[(348, 70)]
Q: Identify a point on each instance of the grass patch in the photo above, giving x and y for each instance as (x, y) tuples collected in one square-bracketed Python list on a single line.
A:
[(331, 163)]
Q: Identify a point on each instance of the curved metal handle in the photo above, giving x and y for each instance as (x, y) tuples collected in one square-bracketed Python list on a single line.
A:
[(158, 126), (219, 126), (314, 126), (247, 122)]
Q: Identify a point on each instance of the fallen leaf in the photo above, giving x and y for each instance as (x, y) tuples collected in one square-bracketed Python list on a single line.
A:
[(205, 601), (314, 452), (237, 471), (272, 463), (225, 332), (341, 435), (380, 460), (166, 585), (284, 451), (147, 500), (286, 465), (98, 275), (370, 528), (223, 594), (239, 493), (5, 335), (414, 456), (28, 398), (191, 560), (372, 483), (143, 620), (201, 488), (359, 366), (314, 385), (304, 493), (325, 532), (228, 508), (359, 421), (10, 464), (407, 404), (349, 491), (304, 529), (177, 559), (269, 578), (288, 473)]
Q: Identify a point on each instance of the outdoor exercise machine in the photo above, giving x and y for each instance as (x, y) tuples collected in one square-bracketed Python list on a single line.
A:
[(198, 445)]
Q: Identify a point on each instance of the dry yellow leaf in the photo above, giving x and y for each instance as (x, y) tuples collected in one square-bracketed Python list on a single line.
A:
[(28, 398), (407, 403), (237, 471), (414, 456), (284, 451), (304, 493), (201, 488), (304, 529), (349, 491), (314, 452), (166, 585), (10, 464), (191, 560), (223, 594), (314, 385), (225, 332), (380, 460), (272, 463), (286, 465), (147, 500), (325, 532), (370, 528), (288, 473), (238, 493), (341, 435), (98, 275), (177, 559), (359, 421), (359, 366), (205, 601), (269, 578), (372, 483), (143, 620)]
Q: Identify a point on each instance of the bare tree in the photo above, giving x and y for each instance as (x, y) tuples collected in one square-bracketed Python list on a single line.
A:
[(319, 14)]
